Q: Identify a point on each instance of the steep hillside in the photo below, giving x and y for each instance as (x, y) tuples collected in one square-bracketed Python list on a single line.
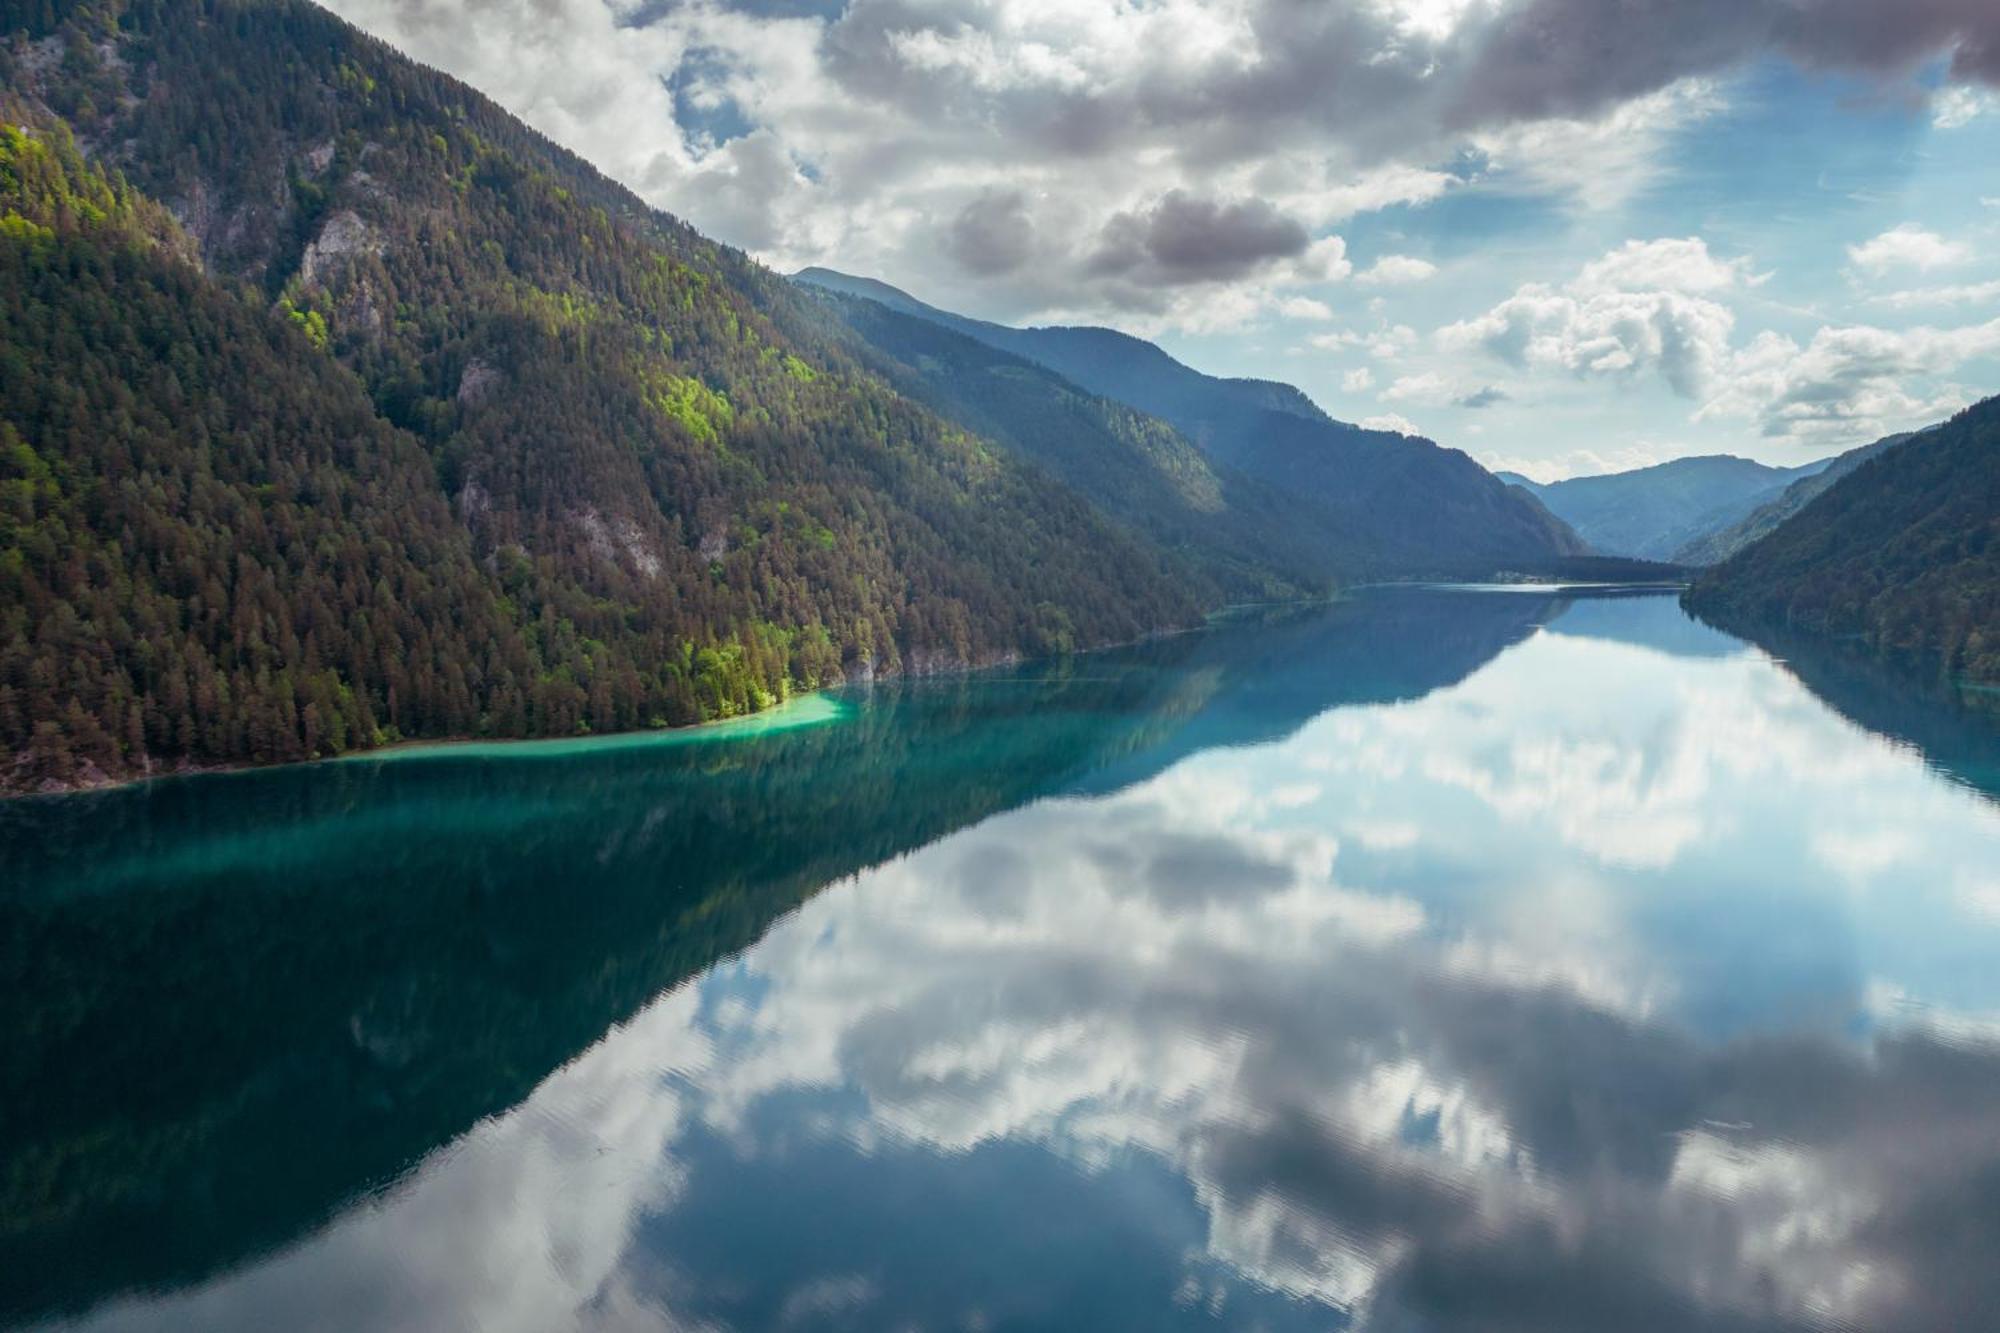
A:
[(208, 537), (1217, 414), (682, 493), (1382, 505), (1712, 548), (1904, 553), (1242, 537), (1653, 513)]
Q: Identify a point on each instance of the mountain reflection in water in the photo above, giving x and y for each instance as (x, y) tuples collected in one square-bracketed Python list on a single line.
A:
[(1436, 961)]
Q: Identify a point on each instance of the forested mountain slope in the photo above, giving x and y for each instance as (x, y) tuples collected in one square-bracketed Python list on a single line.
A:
[(1216, 414), (1904, 552), (1243, 538), (1383, 505), (1653, 513), (1712, 548), (675, 494)]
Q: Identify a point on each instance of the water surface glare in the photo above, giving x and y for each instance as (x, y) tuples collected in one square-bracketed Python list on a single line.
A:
[(1441, 960)]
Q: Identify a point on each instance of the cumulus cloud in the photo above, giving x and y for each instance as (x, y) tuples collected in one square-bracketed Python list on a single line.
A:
[(1304, 308), (1646, 307), (1955, 108), (1396, 271), (1183, 143), (1391, 421), (1359, 380), (993, 234), (1674, 265), (1658, 307), (1553, 57), (1575, 463), (1432, 389), (1852, 380), (1184, 239), (1907, 246), (1912, 298)]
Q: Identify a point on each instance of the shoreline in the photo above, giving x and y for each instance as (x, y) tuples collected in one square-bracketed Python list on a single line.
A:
[(778, 717), (783, 716), (759, 722)]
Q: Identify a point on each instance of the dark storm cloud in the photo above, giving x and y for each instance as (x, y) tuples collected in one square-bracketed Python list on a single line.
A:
[(1349, 72), (797, 116), (993, 234), (1574, 57), (1186, 239)]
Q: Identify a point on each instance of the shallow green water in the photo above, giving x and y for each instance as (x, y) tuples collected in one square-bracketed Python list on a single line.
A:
[(1438, 960)]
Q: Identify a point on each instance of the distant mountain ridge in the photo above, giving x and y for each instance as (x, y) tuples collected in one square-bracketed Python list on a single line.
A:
[(1714, 547), (1209, 409), (1242, 539), (1363, 504), (1662, 512)]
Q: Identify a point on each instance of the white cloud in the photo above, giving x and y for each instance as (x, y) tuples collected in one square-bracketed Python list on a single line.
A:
[(1955, 108), (1397, 271), (1978, 293), (1646, 306), (1384, 344), (1304, 308), (1851, 381), (1673, 265), (1393, 421), (1657, 307), (1599, 162), (1428, 389), (863, 138), (1907, 246), (1325, 260), (1576, 462), (1359, 380)]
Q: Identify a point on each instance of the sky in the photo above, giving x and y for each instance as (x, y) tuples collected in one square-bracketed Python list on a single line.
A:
[(1566, 236)]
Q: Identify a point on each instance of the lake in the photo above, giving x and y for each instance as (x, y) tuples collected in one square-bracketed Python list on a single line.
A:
[(1436, 960)]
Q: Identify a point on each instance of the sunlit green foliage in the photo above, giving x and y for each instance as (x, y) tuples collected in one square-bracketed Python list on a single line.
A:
[(647, 479)]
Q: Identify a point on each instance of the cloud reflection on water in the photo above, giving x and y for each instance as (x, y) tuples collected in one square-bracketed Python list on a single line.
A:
[(1558, 999)]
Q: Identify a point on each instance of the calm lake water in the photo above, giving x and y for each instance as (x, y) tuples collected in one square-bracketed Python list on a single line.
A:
[(1440, 960)]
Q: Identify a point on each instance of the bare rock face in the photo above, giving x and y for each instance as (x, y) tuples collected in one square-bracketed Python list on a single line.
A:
[(478, 382), (343, 234), (361, 310), (714, 544), (614, 536), (214, 230), (473, 503)]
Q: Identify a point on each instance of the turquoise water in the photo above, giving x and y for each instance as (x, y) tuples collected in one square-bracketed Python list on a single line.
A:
[(1438, 960)]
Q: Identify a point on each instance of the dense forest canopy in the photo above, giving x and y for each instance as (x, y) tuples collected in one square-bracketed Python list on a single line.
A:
[(1903, 552), (342, 407)]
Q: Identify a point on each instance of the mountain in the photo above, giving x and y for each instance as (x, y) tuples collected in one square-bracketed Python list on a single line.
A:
[(1242, 539), (1654, 513), (1903, 553), (1712, 548), (1354, 504), (339, 407), (1217, 414)]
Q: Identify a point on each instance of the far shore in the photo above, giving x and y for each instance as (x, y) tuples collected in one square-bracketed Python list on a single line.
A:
[(814, 708)]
